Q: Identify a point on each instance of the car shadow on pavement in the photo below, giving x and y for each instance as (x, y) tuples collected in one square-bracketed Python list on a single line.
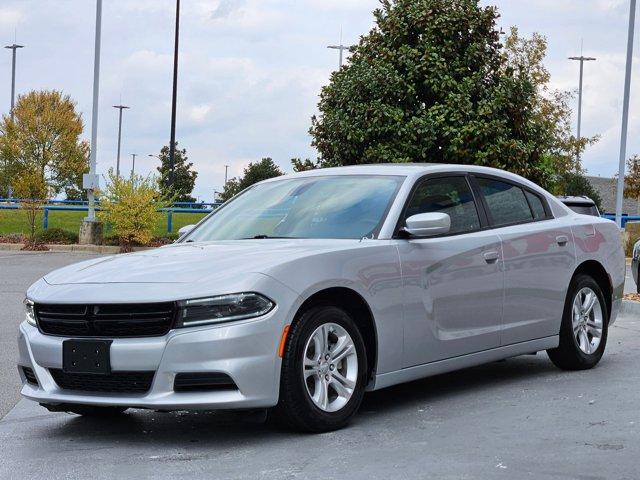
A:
[(228, 429), (470, 382)]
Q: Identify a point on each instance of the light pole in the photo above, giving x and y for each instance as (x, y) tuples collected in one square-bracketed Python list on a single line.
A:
[(133, 164), (625, 114), (341, 48), (90, 181), (580, 59), (120, 108), (13, 49), (226, 171), (172, 141)]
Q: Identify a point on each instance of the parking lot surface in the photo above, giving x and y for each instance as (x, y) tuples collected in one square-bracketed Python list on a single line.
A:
[(520, 418)]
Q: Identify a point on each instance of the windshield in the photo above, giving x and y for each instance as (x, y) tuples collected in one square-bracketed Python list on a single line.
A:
[(346, 206)]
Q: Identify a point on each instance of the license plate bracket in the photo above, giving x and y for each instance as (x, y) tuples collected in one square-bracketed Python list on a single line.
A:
[(86, 356)]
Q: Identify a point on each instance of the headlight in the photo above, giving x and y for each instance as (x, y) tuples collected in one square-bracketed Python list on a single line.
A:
[(30, 312), (223, 308)]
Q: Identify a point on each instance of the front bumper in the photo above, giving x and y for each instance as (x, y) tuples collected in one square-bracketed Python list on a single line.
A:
[(246, 351)]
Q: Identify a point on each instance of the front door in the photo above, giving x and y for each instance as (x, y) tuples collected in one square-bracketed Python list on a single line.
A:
[(453, 284)]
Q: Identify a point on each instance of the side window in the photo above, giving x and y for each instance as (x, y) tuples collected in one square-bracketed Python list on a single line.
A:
[(507, 203), (450, 195), (536, 205)]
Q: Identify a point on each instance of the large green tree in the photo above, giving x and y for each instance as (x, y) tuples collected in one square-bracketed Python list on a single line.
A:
[(431, 82), (551, 113), (253, 173), (576, 184), (43, 136), (184, 179)]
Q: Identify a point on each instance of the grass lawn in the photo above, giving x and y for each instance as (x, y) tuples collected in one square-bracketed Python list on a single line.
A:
[(15, 221)]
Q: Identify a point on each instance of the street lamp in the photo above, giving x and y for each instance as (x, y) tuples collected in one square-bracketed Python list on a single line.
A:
[(341, 48), (172, 141), (133, 164), (120, 108), (580, 59), (625, 113), (13, 49), (226, 171), (90, 229)]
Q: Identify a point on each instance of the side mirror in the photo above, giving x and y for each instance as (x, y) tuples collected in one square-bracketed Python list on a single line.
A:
[(428, 224), (186, 229)]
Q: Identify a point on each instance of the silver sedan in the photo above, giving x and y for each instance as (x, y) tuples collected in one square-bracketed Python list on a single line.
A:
[(307, 290)]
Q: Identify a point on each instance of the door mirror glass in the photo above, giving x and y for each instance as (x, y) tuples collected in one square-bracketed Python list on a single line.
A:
[(186, 229), (428, 224)]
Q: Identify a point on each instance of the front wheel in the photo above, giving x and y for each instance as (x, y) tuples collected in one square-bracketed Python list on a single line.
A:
[(324, 371), (584, 328)]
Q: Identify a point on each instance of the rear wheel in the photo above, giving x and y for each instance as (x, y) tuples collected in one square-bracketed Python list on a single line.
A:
[(584, 328), (324, 371)]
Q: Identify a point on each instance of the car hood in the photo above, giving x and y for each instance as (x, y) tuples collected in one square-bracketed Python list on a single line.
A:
[(192, 262)]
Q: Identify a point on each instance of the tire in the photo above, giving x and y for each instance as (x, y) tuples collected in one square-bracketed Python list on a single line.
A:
[(86, 410), (302, 383), (581, 350)]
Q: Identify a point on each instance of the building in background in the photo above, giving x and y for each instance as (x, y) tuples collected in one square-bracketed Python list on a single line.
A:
[(607, 188)]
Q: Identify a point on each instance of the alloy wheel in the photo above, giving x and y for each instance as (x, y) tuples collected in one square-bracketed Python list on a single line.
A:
[(587, 320), (330, 367)]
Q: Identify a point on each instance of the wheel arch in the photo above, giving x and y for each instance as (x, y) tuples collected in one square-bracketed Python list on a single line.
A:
[(596, 270), (357, 307)]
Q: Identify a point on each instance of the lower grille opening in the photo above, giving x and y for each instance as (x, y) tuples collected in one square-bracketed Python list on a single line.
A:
[(115, 382), (203, 382), (30, 376)]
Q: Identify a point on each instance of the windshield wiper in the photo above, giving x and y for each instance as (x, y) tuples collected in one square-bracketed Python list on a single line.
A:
[(261, 237)]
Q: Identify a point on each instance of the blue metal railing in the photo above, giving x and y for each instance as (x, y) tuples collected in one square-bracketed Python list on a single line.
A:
[(14, 204), (624, 219)]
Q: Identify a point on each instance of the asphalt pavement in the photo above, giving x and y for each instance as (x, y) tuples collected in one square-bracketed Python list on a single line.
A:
[(18, 270), (520, 418)]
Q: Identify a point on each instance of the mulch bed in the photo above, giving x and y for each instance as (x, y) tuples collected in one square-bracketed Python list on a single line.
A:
[(35, 247), (632, 296)]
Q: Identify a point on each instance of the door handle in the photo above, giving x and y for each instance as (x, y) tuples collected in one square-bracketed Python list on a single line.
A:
[(562, 240), (491, 256)]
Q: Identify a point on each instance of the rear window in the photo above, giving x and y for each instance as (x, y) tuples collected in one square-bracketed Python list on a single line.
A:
[(584, 209), (507, 202), (536, 205)]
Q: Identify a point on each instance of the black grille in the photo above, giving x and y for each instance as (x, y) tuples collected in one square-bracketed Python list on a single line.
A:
[(30, 376), (114, 321), (115, 382), (203, 381)]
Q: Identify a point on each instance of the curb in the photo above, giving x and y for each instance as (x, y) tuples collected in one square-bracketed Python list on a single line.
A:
[(631, 308), (104, 249)]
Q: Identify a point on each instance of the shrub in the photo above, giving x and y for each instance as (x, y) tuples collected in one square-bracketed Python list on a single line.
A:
[(31, 187), (130, 207), (57, 235), (632, 235)]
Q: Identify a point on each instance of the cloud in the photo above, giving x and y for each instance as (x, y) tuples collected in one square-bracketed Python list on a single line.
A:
[(225, 8), (11, 16), (199, 113)]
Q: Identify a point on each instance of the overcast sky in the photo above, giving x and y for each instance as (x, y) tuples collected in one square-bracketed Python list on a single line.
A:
[(251, 71)]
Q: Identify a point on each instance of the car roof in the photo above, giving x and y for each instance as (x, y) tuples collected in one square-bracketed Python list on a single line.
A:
[(411, 171), (402, 169)]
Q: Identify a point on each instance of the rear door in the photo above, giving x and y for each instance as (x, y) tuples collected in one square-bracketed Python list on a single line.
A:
[(452, 284), (538, 255)]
